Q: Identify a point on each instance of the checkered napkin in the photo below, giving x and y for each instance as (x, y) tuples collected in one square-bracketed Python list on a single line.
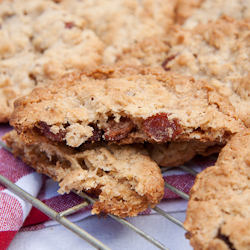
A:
[(18, 215)]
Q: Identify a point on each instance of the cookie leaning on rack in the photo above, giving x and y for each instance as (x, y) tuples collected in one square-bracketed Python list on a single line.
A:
[(218, 211)]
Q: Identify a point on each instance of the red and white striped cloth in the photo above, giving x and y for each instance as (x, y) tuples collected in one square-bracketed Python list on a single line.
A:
[(18, 215)]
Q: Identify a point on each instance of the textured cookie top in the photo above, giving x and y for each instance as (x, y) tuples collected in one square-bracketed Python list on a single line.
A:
[(217, 51), (211, 10), (120, 24), (124, 105), (185, 9), (40, 41), (150, 52), (218, 215), (124, 178)]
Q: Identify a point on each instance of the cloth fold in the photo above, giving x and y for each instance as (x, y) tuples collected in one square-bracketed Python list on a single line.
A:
[(18, 215)]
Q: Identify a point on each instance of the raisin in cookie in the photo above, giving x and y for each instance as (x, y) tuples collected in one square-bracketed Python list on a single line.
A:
[(125, 105), (218, 214), (124, 178)]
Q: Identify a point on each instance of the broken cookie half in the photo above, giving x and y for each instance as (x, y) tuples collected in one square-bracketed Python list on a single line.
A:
[(218, 215), (124, 178), (126, 105)]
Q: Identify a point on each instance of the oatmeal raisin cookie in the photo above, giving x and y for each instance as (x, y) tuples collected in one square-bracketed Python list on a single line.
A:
[(125, 105)]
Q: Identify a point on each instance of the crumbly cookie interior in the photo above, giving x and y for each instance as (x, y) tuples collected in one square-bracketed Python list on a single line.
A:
[(124, 179)]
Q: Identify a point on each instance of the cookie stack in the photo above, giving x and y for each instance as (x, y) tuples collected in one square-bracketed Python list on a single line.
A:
[(106, 93)]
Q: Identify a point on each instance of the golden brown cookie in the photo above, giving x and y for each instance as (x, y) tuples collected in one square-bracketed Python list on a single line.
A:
[(124, 105), (124, 178), (218, 214), (177, 116)]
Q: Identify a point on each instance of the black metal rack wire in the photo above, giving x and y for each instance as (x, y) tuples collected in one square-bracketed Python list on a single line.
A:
[(61, 217)]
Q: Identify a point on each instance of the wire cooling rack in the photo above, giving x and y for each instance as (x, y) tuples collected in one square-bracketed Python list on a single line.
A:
[(61, 217)]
